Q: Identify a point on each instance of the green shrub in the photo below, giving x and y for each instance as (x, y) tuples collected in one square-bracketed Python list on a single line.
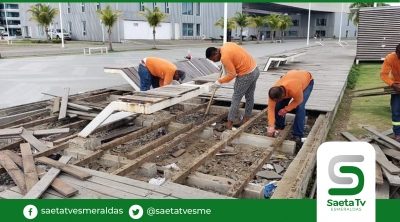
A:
[(46, 41), (353, 76)]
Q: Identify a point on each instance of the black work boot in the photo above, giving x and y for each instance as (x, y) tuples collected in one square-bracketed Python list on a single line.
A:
[(299, 144)]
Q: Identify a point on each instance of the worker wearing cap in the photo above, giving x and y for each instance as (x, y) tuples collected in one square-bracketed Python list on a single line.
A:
[(239, 64), (391, 65), (296, 85), (158, 72)]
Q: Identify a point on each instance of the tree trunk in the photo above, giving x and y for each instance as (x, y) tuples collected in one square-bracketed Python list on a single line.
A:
[(154, 37), (272, 35), (241, 37), (258, 36), (110, 48), (46, 29), (283, 34)]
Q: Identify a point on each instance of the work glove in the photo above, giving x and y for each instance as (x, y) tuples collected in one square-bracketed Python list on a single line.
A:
[(282, 112), (215, 86), (271, 131), (396, 87)]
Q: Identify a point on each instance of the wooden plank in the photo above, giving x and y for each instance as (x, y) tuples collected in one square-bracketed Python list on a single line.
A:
[(378, 174), (19, 116), (393, 180), (350, 137), (79, 107), (134, 135), (65, 139), (82, 113), (384, 162), (171, 143), (31, 176), (392, 153), (46, 180), (197, 162), (383, 137), (10, 132), (140, 99), (14, 172), (56, 105), (52, 150), (64, 167), (64, 103), (58, 185), (382, 190), (25, 119), (38, 122), (116, 134), (239, 186), (179, 153), (371, 138), (116, 117), (26, 135), (158, 142), (50, 131)]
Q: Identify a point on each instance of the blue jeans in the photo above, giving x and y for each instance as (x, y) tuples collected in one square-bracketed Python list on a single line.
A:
[(147, 79), (300, 118), (395, 106)]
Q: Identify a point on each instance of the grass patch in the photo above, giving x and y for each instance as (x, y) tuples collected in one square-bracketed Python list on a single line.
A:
[(373, 110)]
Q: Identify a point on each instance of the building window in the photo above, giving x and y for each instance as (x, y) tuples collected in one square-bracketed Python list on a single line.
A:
[(154, 5), (296, 22), (141, 6), (69, 7), (291, 33), (355, 33), (321, 33), (321, 22), (198, 30), (167, 8), (198, 8), (187, 29), (348, 22), (187, 8), (83, 7), (98, 6), (83, 28), (70, 27)]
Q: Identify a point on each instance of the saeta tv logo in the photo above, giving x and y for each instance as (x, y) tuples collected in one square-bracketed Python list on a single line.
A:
[(346, 181)]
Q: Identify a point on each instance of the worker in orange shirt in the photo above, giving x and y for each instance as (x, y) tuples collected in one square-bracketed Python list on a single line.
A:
[(239, 64), (296, 85), (391, 65), (158, 72)]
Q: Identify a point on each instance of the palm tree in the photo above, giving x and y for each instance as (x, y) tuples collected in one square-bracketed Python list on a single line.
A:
[(43, 14), (284, 24), (241, 20), (109, 18), (231, 25), (258, 22), (273, 23), (154, 18), (354, 16)]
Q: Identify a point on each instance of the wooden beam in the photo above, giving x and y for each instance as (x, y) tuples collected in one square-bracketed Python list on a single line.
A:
[(134, 135), (181, 175), (25, 119), (392, 153), (159, 150), (26, 135), (384, 162), (383, 137), (158, 142), (378, 174), (382, 190), (14, 172), (58, 185), (19, 116), (64, 167), (392, 179), (64, 103), (239, 186), (31, 176), (65, 139), (37, 122), (50, 131), (56, 105), (45, 181), (120, 133), (52, 150), (79, 107), (10, 132)]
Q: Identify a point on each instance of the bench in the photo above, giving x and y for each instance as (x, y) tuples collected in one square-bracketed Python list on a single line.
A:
[(276, 61), (91, 48), (277, 41)]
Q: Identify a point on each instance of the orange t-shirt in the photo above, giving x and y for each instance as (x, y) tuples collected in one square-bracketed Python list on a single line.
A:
[(294, 82), (391, 65), (163, 69), (237, 61)]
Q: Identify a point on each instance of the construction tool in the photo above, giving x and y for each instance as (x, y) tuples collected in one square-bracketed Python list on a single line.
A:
[(212, 96)]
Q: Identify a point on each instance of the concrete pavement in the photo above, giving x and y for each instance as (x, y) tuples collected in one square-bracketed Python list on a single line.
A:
[(22, 80)]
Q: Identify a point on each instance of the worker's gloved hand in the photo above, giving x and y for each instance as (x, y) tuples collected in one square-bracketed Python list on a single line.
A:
[(282, 112), (271, 131), (396, 86), (215, 86)]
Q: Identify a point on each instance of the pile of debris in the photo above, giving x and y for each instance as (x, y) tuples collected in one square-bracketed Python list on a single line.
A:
[(387, 161)]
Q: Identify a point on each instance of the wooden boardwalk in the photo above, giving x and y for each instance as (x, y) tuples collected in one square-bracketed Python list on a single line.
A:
[(329, 65)]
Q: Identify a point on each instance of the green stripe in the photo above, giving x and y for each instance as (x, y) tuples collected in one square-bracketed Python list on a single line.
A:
[(396, 123)]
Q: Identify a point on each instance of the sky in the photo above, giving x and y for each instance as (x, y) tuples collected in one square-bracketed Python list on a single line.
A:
[(394, 4)]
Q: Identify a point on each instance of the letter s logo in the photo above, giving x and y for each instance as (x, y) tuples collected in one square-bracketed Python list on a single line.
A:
[(346, 180)]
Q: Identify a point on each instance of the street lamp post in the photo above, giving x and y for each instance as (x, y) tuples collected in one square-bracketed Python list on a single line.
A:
[(225, 22), (8, 30), (309, 18), (61, 25)]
